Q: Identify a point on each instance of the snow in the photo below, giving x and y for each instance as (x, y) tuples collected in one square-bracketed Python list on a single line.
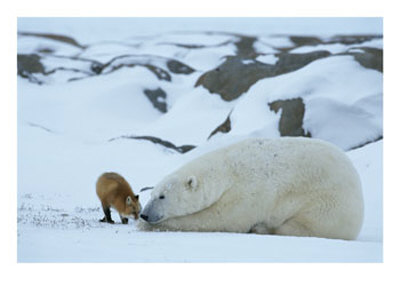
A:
[(370, 171), (66, 132), (355, 120), (34, 44), (121, 244), (338, 94), (268, 59)]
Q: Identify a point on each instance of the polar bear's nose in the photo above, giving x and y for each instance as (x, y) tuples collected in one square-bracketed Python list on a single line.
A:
[(144, 216)]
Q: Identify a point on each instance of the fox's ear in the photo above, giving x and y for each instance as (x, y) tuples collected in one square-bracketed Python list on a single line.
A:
[(129, 200), (137, 197)]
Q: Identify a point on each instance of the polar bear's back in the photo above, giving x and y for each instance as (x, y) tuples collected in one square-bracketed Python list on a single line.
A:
[(285, 159), (293, 186)]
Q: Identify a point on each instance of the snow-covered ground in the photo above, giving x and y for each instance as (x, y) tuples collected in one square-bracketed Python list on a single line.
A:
[(74, 126)]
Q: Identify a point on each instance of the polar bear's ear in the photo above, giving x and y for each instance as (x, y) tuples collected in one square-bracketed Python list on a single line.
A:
[(192, 182)]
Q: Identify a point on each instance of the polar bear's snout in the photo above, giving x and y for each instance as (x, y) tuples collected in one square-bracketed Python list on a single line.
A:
[(150, 214)]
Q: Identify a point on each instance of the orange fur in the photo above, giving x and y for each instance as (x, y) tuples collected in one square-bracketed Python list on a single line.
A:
[(113, 191)]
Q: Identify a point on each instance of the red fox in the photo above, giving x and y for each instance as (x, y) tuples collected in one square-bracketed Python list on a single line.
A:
[(114, 191)]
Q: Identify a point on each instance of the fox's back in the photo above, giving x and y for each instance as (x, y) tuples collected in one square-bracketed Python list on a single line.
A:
[(110, 185)]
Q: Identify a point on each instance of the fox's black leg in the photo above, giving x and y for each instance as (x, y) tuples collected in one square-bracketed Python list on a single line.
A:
[(124, 220), (107, 216)]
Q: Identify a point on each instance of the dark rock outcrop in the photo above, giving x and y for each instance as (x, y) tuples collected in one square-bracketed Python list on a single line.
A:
[(179, 68), (289, 62), (130, 62), (224, 127), (291, 121), (235, 76), (157, 71), (28, 64), (305, 40), (150, 62), (245, 47), (371, 58), (180, 149), (342, 39), (55, 37), (299, 41), (352, 39), (157, 98)]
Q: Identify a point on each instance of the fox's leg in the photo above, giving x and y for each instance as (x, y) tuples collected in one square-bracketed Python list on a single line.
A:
[(124, 220), (107, 216)]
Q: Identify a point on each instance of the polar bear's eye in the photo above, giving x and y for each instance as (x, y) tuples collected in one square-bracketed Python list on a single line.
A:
[(162, 197)]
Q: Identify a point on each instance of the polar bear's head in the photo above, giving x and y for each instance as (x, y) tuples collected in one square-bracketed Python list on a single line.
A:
[(176, 195)]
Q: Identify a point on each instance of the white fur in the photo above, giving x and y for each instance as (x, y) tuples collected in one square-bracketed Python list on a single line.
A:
[(286, 186)]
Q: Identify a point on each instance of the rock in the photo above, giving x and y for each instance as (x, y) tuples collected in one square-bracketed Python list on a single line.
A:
[(159, 72), (299, 41), (55, 37), (305, 40), (235, 76), (244, 47), (46, 50), (371, 58), (96, 67), (289, 62), (291, 121), (150, 62), (117, 64), (224, 127), (29, 63), (157, 98), (181, 149), (179, 68), (353, 39)]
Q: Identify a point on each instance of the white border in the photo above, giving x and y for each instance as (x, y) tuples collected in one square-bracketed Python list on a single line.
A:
[(198, 281)]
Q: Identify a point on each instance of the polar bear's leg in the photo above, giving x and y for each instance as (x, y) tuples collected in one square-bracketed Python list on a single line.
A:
[(294, 227)]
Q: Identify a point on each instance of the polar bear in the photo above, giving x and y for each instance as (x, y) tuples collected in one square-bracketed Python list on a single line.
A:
[(286, 186)]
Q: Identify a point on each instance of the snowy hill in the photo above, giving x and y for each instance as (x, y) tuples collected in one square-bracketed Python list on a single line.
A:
[(143, 105)]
